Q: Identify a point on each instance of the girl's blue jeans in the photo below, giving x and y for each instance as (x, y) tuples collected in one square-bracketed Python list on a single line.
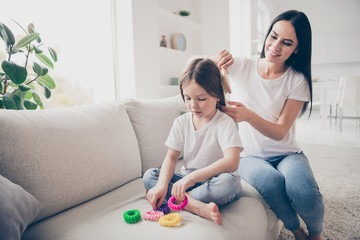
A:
[(288, 185), (221, 189)]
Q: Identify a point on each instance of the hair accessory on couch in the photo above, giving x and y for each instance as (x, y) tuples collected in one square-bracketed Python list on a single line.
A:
[(152, 215), (170, 220), (164, 208), (132, 216), (177, 207)]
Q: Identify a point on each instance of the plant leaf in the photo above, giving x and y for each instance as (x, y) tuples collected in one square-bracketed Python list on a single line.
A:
[(44, 59), (45, 71), (29, 93), (7, 35), (53, 54), (16, 73), (37, 50), (37, 68), (1, 103), (48, 81), (30, 105), (24, 87), (12, 101), (31, 28), (26, 40), (47, 92), (1, 87), (37, 99)]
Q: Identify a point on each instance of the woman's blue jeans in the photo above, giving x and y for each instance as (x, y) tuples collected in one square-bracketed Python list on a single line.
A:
[(288, 185), (221, 189)]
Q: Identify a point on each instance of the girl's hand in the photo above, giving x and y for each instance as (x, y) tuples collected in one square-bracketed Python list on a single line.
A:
[(156, 196), (237, 111), (179, 188), (224, 60)]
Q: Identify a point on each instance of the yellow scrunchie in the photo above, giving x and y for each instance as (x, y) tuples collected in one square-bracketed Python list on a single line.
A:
[(170, 220)]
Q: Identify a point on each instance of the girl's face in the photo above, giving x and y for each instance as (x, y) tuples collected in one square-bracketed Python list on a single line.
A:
[(281, 42), (199, 102)]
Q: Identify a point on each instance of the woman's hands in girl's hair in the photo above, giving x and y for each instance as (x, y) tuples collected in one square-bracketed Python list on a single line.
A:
[(179, 188), (156, 196), (237, 111), (224, 60)]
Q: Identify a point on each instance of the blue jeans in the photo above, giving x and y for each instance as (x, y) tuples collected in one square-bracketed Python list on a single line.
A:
[(288, 185), (221, 189)]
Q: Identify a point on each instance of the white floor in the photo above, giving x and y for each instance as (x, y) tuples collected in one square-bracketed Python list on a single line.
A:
[(327, 148), (312, 131)]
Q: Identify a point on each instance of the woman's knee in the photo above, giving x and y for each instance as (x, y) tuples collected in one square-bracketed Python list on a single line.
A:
[(271, 185)]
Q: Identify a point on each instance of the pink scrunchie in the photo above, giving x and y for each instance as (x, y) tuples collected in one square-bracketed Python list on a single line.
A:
[(152, 215), (177, 207)]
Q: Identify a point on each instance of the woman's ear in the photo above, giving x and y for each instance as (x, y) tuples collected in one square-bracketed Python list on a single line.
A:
[(296, 51)]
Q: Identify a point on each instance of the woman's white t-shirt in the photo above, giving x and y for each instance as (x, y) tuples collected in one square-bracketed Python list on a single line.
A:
[(204, 146), (267, 99)]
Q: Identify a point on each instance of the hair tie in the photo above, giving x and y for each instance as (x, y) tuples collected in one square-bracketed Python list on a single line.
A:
[(170, 220), (152, 215), (177, 207), (163, 208), (132, 216)]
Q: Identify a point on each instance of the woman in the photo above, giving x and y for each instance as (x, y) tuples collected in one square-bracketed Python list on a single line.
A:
[(272, 92)]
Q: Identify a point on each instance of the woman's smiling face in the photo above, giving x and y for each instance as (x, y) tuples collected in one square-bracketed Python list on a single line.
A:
[(281, 42)]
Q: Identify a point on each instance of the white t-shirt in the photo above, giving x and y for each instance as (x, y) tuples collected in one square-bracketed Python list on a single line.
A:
[(266, 98), (204, 146)]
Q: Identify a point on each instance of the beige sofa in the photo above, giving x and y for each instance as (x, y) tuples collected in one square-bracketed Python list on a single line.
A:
[(84, 166)]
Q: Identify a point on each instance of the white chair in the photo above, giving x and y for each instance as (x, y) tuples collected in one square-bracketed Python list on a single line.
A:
[(350, 97)]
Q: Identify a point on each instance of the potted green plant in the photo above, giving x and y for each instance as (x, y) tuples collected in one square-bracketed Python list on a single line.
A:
[(17, 80), (184, 13)]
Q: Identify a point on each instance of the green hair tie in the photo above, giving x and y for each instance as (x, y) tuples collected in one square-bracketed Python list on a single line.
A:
[(132, 216)]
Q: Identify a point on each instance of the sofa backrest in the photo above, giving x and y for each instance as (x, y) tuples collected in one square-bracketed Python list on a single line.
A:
[(152, 120), (65, 157)]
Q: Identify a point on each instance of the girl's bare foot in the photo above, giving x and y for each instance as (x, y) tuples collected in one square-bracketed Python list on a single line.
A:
[(300, 234), (206, 210)]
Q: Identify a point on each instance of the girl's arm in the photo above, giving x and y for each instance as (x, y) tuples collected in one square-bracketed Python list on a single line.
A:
[(229, 163), (276, 131), (157, 194)]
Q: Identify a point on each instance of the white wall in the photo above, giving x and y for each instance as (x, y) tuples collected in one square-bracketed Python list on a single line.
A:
[(215, 19)]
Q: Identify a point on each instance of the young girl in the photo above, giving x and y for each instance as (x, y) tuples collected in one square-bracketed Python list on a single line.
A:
[(272, 91), (211, 147)]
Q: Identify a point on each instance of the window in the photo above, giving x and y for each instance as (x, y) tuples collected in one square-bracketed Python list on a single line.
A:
[(81, 33)]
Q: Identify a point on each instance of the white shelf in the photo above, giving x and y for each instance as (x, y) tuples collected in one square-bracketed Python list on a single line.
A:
[(176, 19), (172, 61), (170, 51)]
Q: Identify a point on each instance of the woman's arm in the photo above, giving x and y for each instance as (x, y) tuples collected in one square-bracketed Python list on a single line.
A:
[(229, 163), (276, 131), (157, 194)]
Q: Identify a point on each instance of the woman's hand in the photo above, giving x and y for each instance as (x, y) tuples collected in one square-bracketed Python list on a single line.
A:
[(156, 196), (179, 188), (224, 60), (237, 111)]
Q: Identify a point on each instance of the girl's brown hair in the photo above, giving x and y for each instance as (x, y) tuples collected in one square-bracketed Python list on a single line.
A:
[(205, 73)]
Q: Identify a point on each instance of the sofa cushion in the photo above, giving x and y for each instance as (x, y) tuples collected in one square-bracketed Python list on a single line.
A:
[(152, 120), (18, 209), (102, 218), (64, 157)]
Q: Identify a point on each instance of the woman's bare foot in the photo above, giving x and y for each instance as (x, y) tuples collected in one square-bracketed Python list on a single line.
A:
[(206, 210), (300, 234), (315, 236)]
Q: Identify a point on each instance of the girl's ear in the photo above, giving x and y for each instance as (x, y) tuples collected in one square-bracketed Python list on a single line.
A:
[(296, 51)]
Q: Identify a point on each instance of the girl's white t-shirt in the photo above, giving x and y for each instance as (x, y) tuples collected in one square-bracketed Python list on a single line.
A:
[(204, 146), (267, 99)]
